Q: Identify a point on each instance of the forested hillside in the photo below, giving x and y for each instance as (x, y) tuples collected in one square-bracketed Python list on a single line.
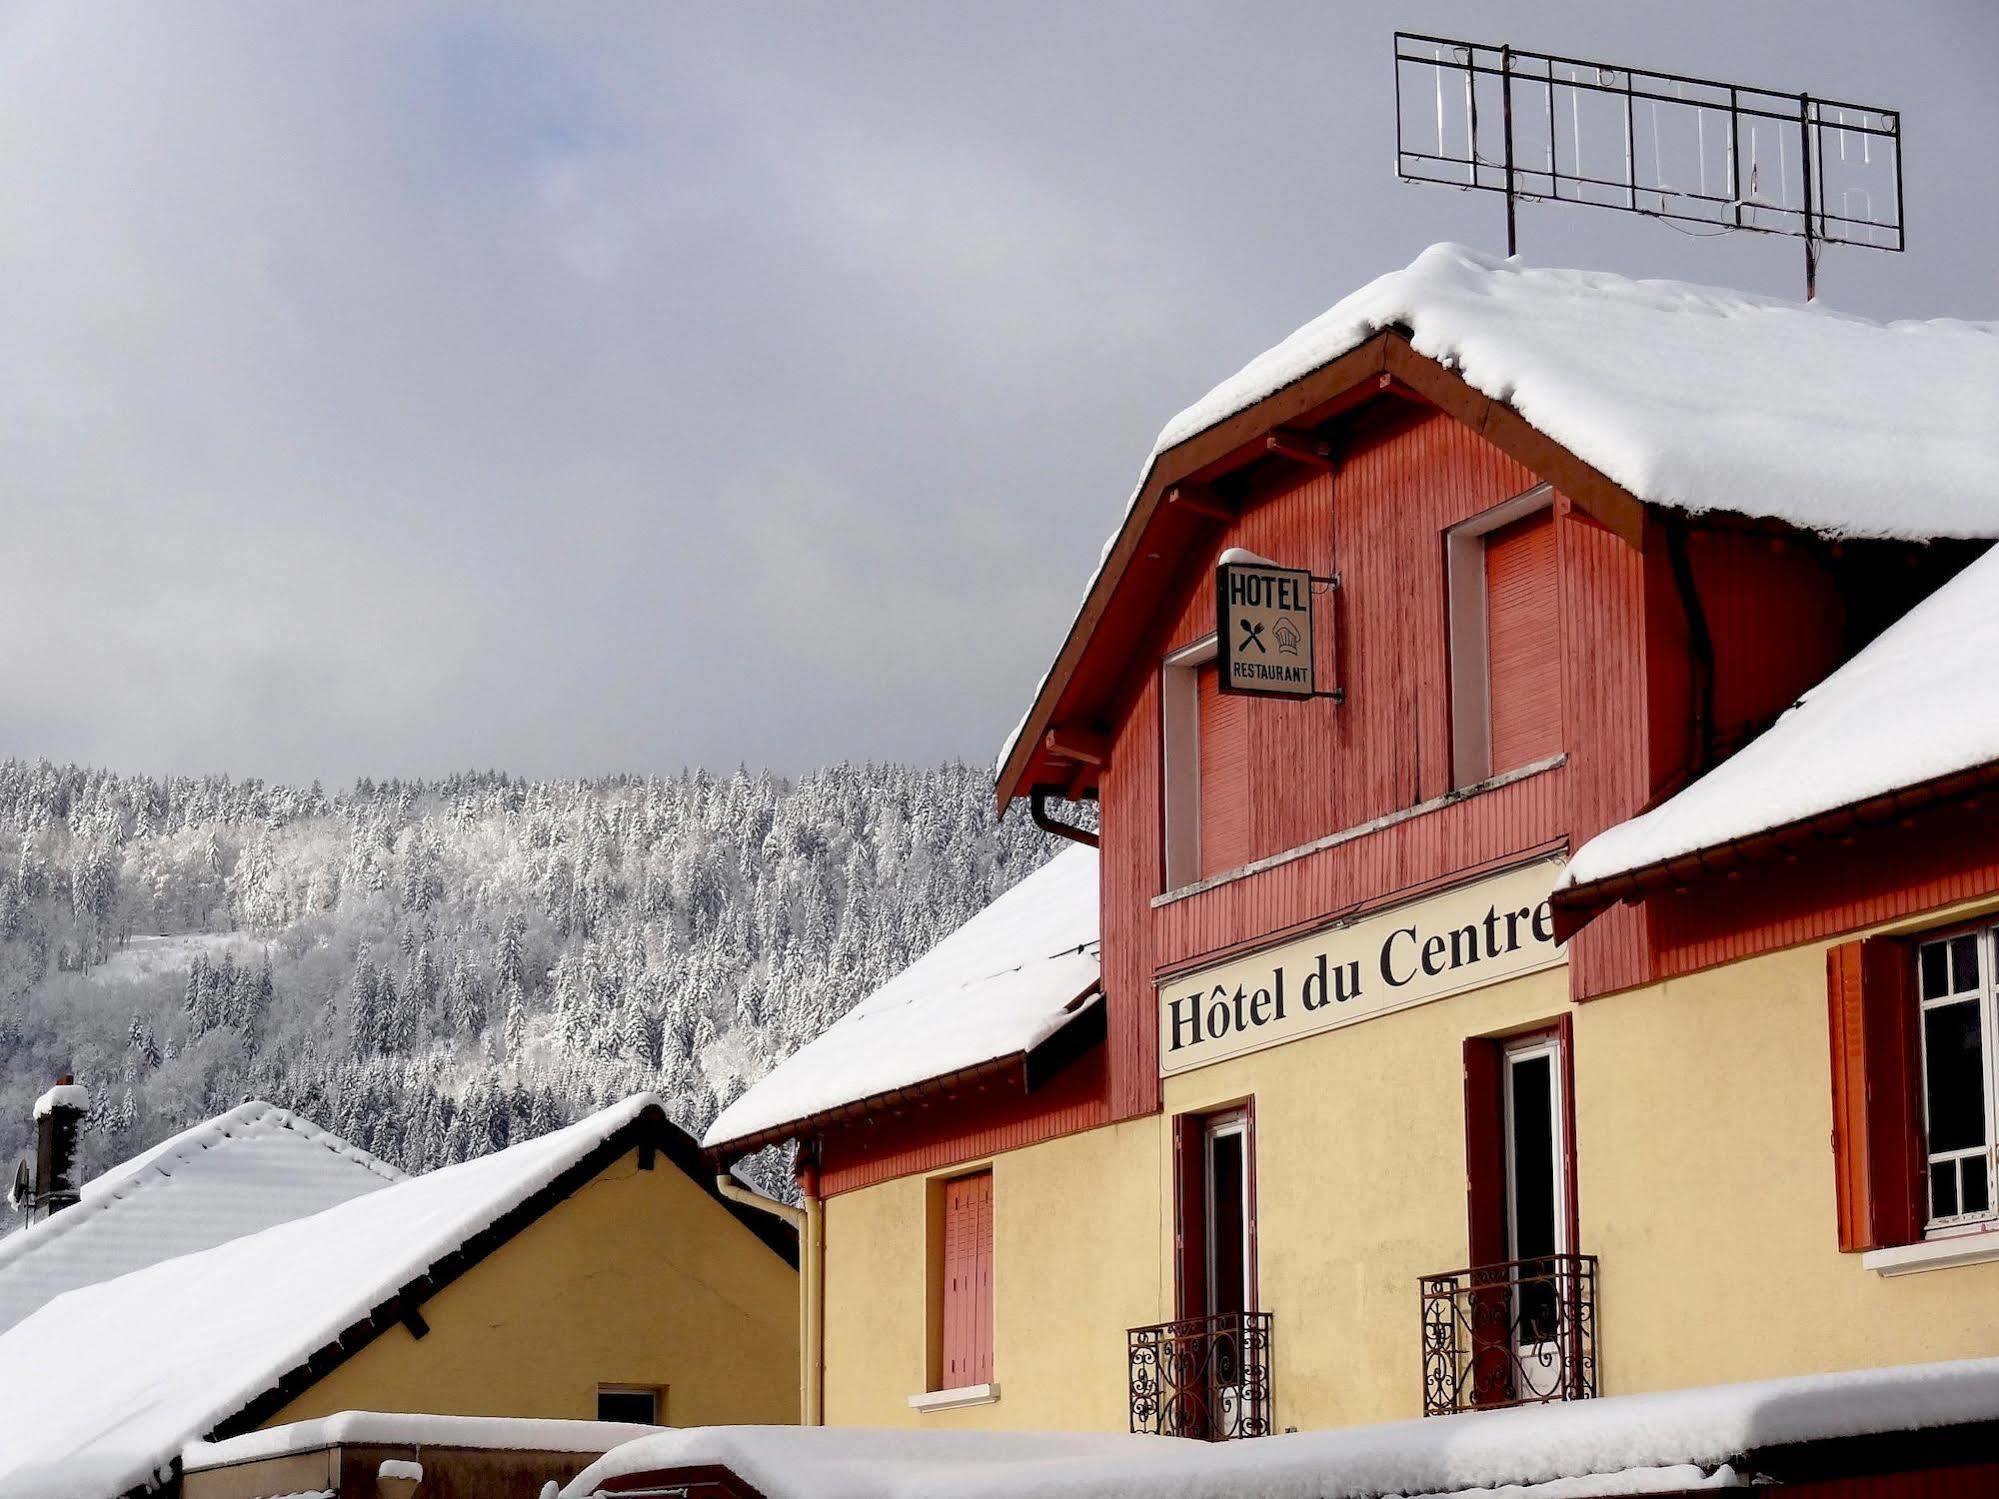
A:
[(434, 968)]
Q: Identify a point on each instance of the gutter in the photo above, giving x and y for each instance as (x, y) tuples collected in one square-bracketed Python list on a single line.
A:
[(809, 1222)]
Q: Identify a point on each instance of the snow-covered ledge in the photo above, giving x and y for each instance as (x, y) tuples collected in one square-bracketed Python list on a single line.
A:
[(958, 1399), (1934, 1254)]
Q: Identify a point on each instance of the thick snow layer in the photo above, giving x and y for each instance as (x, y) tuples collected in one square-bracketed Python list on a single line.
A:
[(231, 1175), (399, 1428), (1624, 1444), (1001, 984), (1688, 396), (105, 1385), (63, 1096), (1921, 701)]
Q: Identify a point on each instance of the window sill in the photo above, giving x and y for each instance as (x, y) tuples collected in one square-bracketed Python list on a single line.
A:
[(958, 1399), (1934, 1254), (1347, 835)]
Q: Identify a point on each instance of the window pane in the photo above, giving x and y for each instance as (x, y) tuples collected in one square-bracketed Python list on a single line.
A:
[(641, 1406), (1533, 1157), (1943, 1189), (1228, 1292), (1963, 963), (1975, 1196), (1954, 1077), (1936, 970)]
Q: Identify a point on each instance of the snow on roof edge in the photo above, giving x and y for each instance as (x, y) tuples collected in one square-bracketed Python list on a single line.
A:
[(1389, 302), (501, 1433), (117, 1184)]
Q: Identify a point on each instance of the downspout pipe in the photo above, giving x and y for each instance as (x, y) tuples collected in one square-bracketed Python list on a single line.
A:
[(809, 1224), (1037, 808), (1700, 643)]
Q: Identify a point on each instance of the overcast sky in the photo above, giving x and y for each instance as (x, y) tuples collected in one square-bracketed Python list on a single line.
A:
[(395, 388)]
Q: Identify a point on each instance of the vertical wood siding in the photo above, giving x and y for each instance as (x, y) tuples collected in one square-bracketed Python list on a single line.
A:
[(1523, 635), (955, 1129), (1227, 790), (1318, 768)]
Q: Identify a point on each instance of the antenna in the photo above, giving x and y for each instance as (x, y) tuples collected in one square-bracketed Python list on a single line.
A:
[(1721, 156)]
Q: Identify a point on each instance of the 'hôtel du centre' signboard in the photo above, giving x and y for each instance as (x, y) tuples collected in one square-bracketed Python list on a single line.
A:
[(1466, 938)]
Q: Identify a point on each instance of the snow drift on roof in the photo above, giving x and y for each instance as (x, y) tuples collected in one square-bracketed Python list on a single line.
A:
[(1624, 1443), (412, 1429), (228, 1176), (1921, 701), (1688, 396), (63, 1096), (104, 1385), (1000, 985)]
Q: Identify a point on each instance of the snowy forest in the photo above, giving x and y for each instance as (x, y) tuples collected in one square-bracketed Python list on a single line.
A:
[(433, 969)]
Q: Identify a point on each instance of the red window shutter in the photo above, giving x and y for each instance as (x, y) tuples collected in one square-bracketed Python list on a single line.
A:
[(1523, 642), (1485, 1151), (1190, 1219), (967, 1353), (1224, 767), (1877, 1137)]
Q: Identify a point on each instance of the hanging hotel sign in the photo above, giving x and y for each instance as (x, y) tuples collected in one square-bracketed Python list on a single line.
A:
[(1263, 629), (1462, 939)]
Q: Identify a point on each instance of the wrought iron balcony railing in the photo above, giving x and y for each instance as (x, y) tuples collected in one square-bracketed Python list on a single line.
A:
[(1519, 1333), (1206, 1377)]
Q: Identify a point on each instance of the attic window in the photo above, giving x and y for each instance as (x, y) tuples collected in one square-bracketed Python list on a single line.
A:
[(1206, 740), (1505, 638)]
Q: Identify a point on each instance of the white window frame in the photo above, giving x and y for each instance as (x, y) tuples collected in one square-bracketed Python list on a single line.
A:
[(1180, 731), (1221, 1127), (1986, 997), (1527, 1049), (1471, 685)]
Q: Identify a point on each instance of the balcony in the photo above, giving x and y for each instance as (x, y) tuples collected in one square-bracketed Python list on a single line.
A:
[(1205, 1377), (1519, 1333)]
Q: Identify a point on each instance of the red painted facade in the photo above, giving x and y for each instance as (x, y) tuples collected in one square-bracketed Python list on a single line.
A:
[(1626, 657)]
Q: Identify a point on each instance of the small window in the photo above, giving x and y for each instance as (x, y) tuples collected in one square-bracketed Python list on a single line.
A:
[(1955, 990), (641, 1405), (1505, 639), (965, 1272)]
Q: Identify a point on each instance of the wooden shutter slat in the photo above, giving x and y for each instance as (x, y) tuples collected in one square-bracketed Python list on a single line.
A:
[(1485, 1151), (1223, 755), (966, 1355), (1877, 1136), (1523, 642)]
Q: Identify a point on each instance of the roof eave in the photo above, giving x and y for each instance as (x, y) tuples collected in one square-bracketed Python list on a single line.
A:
[(1386, 364), (1578, 905), (1030, 1067)]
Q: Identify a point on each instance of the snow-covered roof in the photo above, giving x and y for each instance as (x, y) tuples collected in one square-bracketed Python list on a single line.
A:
[(412, 1429), (228, 1176), (999, 986), (1691, 397), (104, 1385), (1920, 702), (1669, 1441)]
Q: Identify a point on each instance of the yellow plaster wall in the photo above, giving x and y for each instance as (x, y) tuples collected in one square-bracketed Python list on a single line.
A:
[(1705, 1188), (1360, 1165), (1704, 1122), (1074, 1264), (639, 1278)]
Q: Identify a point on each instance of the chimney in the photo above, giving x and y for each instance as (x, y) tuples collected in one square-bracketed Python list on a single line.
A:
[(58, 1116)]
